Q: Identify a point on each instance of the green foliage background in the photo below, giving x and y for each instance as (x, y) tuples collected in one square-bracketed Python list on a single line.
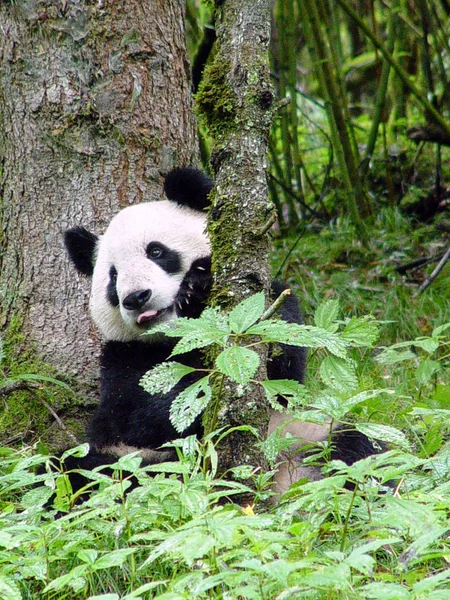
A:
[(180, 535)]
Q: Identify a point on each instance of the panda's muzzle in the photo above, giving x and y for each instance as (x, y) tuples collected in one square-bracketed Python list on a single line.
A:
[(136, 302)]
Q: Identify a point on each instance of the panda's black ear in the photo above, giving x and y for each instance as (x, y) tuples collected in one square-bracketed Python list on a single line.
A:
[(189, 187), (81, 244)]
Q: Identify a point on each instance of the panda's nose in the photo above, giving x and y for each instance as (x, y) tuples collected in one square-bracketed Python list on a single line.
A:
[(136, 300)]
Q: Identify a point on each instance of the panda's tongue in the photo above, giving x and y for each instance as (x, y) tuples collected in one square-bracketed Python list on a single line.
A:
[(148, 315)]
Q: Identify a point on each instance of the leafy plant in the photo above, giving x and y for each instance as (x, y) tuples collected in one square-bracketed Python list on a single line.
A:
[(247, 325)]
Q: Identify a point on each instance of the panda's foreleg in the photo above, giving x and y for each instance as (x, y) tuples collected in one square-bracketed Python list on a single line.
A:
[(194, 289)]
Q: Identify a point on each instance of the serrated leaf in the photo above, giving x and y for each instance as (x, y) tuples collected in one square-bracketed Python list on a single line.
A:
[(238, 363), (390, 356), (272, 330), (299, 335), (361, 331), (162, 378), (189, 404), (210, 328), (426, 370), (246, 313), (326, 315), (9, 590), (384, 433), (79, 452), (337, 407), (428, 344), (339, 374), (291, 390)]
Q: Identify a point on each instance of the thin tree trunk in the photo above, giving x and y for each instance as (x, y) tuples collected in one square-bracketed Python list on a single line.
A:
[(95, 107), (236, 101)]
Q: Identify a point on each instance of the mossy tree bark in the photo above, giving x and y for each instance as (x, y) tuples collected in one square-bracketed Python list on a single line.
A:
[(236, 101), (95, 108)]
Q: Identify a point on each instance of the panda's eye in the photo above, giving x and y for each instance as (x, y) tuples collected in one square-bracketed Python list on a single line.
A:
[(113, 275), (154, 251)]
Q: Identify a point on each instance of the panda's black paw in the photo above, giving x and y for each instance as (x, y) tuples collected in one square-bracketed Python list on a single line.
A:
[(194, 289)]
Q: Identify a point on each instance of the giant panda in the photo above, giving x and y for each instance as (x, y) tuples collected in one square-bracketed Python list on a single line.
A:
[(152, 265)]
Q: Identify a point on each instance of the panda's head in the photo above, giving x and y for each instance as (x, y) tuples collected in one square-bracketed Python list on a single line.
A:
[(137, 266)]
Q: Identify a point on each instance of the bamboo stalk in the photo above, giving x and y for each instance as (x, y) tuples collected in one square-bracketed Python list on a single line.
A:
[(355, 198), (401, 73)]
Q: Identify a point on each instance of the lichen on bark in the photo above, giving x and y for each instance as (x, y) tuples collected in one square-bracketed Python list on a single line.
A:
[(238, 113)]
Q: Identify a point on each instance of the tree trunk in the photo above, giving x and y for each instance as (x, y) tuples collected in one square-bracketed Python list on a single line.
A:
[(95, 107), (236, 101)]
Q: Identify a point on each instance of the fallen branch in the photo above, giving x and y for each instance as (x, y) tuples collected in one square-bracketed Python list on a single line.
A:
[(418, 262), (435, 273)]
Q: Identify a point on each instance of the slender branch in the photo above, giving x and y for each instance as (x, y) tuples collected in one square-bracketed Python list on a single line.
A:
[(273, 308), (435, 273)]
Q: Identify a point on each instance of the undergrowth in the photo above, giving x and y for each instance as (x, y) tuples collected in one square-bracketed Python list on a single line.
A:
[(182, 534)]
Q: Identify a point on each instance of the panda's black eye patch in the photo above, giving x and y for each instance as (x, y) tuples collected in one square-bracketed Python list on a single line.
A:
[(164, 257), (111, 288)]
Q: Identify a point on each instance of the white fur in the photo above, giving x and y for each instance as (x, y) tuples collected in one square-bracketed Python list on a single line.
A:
[(124, 246)]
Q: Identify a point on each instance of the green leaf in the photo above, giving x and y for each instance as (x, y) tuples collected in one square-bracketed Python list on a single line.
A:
[(162, 378), (428, 344), (426, 370), (238, 363), (189, 404), (326, 315), (390, 356), (361, 331), (104, 597), (337, 407), (116, 558), (68, 579), (441, 396), (272, 330), (9, 590), (246, 313), (210, 328), (437, 331), (384, 433), (339, 374), (79, 451), (137, 593), (299, 335), (88, 555), (291, 390), (385, 591)]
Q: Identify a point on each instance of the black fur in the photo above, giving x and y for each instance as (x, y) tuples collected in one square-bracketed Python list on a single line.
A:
[(194, 289), (111, 289), (350, 445), (80, 244), (164, 257), (188, 187)]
